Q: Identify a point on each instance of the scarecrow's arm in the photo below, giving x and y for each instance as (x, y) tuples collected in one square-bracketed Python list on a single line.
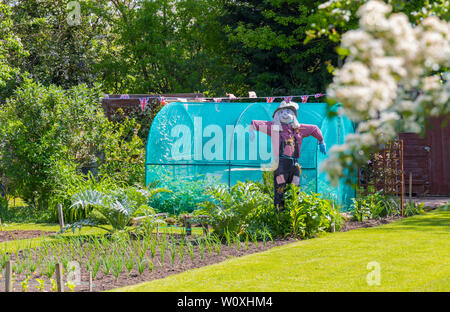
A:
[(311, 130), (262, 125), (307, 130)]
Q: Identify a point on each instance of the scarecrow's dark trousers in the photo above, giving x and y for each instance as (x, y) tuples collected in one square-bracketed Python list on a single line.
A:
[(287, 172)]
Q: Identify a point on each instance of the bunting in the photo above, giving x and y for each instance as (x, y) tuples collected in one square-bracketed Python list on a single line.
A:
[(143, 102), (217, 100), (162, 100), (304, 98), (124, 97), (318, 95), (287, 99), (270, 99), (231, 96)]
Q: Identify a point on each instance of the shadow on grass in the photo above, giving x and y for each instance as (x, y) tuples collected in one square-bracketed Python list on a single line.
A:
[(435, 221)]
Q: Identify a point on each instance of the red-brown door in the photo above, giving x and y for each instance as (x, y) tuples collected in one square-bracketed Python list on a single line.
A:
[(428, 158), (416, 160)]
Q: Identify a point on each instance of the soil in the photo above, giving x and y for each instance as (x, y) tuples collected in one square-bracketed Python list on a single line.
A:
[(17, 234), (352, 225), (103, 282)]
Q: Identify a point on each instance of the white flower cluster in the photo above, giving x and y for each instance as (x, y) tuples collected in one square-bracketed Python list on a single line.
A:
[(388, 59)]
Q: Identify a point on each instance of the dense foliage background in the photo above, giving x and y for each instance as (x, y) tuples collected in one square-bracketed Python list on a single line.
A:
[(58, 58)]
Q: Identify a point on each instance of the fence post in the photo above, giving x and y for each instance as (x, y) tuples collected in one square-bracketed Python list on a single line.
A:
[(61, 217), (90, 281), (59, 277), (187, 225), (410, 187), (8, 277)]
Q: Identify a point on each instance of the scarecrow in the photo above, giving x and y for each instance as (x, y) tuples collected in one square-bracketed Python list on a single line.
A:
[(286, 135)]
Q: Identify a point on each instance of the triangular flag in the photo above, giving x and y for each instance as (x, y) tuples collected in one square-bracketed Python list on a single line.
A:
[(270, 99), (318, 95), (304, 98), (287, 99), (231, 96), (162, 100), (124, 97), (252, 94), (143, 102), (217, 100)]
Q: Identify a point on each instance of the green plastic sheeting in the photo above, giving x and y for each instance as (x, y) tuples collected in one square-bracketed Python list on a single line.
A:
[(209, 142)]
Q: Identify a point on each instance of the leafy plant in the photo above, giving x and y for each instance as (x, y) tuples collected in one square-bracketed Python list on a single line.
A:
[(41, 284), (141, 265), (185, 195), (24, 284), (50, 267), (71, 285), (129, 264), (190, 249), (96, 267), (116, 206), (201, 247), (228, 209), (107, 263), (53, 285), (117, 266), (374, 206), (413, 208), (310, 214)]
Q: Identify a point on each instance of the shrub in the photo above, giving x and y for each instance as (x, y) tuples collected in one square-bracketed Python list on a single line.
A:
[(246, 210), (229, 207), (266, 217), (310, 214), (374, 206), (49, 136), (413, 208), (116, 206)]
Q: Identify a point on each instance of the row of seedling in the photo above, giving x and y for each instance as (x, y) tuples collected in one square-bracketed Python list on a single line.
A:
[(119, 253)]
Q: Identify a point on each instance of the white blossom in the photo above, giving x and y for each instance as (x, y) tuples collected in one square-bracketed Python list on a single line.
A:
[(389, 58)]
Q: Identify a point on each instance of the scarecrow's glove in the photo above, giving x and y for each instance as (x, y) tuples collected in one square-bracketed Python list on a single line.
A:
[(323, 148)]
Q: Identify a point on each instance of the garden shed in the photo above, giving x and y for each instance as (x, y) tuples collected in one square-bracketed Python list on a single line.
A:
[(191, 141)]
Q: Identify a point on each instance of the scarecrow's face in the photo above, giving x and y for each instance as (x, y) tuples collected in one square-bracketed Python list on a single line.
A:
[(286, 115)]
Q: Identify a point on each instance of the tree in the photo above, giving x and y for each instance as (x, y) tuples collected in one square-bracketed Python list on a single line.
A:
[(10, 47), (166, 46), (63, 39), (49, 135), (388, 61), (335, 17), (269, 35)]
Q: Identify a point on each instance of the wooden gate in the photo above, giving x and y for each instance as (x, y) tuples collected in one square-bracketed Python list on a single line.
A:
[(428, 159)]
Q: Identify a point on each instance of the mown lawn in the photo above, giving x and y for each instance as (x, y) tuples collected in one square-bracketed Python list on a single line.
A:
[(413, 255)]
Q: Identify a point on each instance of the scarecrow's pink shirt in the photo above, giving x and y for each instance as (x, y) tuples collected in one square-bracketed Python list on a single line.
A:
[(288, 132)]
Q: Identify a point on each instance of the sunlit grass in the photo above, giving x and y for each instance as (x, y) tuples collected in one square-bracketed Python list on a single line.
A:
[(412, 254)]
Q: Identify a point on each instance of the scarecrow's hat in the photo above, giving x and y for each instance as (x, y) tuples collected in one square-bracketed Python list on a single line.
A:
[(289, 105)]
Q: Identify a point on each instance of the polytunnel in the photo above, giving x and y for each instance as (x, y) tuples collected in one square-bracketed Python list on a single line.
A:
[(210, 142)]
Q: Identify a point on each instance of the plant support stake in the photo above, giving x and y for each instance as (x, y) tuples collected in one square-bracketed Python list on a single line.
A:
[(59, 277), (8, 277), (61, 217)]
